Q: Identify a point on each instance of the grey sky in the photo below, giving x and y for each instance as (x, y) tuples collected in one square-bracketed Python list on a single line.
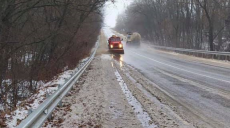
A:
[(112, 10)]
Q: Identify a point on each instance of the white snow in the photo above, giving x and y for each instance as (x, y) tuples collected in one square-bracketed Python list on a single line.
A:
[(106, 57), (143, 116), (18, 114), (35, 100), (7, 81), (84, 60)]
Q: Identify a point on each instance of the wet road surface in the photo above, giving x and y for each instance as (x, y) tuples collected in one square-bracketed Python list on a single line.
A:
[(201, 87)]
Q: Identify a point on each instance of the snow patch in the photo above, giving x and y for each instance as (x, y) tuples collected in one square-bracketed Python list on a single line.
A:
[(143, 116), (18, 114), (35, 100), (106, 57), (84, 60)]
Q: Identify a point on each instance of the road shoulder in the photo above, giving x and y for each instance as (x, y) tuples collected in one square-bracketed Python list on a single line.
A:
[(95, 101)]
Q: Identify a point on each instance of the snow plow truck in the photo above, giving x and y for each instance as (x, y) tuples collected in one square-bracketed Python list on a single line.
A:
[(115, 45), (133, 39)]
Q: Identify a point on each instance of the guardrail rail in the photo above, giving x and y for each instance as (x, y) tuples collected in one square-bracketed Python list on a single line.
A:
[(199, 53), (44, 111)]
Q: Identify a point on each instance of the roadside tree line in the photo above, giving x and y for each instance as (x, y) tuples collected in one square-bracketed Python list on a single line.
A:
[(41, 38), (195, 24)]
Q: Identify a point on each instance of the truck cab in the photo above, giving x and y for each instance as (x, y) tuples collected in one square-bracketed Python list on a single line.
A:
[(133, 39), (115, 45)]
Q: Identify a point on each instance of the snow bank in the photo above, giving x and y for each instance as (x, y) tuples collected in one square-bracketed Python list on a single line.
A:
[(35, 100)]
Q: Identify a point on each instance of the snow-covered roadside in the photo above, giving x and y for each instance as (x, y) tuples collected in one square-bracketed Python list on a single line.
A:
[(143, 116), (15, 117), (148, 45), (207, 61), (95, 101)]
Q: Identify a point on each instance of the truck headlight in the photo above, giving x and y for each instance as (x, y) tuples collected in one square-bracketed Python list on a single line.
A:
[(111, 46), (120, 45)]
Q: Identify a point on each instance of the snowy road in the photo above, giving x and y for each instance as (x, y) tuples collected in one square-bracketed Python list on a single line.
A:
[(148, 88)]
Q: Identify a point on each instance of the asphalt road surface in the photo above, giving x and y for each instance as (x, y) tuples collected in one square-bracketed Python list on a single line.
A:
[(199, 86), (147, 88)]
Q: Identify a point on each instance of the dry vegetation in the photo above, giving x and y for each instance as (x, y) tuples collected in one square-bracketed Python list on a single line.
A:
[(41, 38)]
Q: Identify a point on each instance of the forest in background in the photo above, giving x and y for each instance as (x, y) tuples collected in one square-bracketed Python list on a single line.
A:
[(193, 24), (41, 38)]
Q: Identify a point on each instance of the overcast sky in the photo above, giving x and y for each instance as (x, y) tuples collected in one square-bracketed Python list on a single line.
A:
[(112, 10)]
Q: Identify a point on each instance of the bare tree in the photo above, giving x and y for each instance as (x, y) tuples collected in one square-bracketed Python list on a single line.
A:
[(196, 24), (39, 38)]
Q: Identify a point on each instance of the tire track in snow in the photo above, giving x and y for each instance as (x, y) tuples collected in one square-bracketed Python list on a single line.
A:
[(142, 116)]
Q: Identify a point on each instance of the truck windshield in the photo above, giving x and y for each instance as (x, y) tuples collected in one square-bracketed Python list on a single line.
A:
[(116, 39)]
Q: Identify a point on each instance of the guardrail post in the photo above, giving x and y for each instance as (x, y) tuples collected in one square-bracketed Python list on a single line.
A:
[(50, 117), (46, 111), (60, 103), (59, 86), (30, 111), (65, 79), (47, 95), (218, 57)]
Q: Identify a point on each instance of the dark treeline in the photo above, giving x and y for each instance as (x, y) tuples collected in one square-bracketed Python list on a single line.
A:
[(40, 38), (195, 24)]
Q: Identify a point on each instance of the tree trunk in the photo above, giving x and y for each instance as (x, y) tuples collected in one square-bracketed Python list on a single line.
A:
[(211, 38)]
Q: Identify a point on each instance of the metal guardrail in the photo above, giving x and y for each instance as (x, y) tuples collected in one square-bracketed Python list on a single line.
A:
[(200, 53), (44, 111)]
